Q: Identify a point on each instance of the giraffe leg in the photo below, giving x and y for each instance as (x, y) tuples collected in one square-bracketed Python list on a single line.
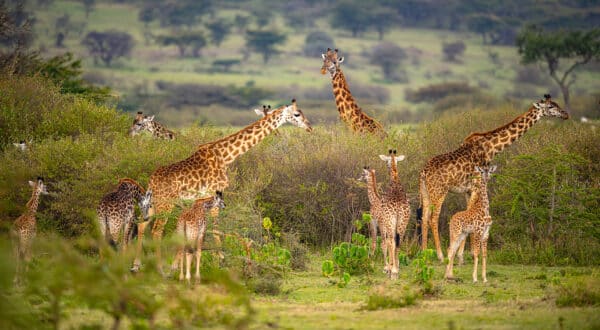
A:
[(425, 224), (216, 235), (181, 251), (373, 232), (137, 263), (476, 247), (188, 265), (175, 264), (455, 241), (484, 260), (157, 231), (434, 231), (201, 234), (461, 251), (394, 256)]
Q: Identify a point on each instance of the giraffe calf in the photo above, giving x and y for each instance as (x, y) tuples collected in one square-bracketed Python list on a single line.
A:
[(191, 227), (23, 230), (475, 220), (116, 211), (147, 123)]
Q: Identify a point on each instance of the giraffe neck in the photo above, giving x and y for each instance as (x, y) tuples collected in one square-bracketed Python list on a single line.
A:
[(372, 188), (132, 188), (394, 171), (343, 98), (33, 202), (498, 139), (237, 144), (479, 198)]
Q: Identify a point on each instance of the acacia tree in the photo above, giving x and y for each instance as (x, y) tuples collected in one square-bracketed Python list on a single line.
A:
[(389, 56), (194, 40), (264, 42), (219, 29), (109, 45), (576, 47)]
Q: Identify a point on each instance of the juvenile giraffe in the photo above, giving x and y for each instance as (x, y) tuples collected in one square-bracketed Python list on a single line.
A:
[(191, 227), (451, 171), (23, 230), (205, 171), (396, 194), (147, 123), (475, 220), (383, 211), (116, 211), (349, 111)]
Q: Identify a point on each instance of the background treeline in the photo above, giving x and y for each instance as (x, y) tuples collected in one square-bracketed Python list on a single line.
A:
[(545, 199), (210, 61)]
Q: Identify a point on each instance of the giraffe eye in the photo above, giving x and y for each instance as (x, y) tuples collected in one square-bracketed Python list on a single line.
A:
[(296, 115)]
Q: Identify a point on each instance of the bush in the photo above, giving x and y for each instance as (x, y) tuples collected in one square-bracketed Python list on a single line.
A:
[(386, 298), (316, 43), (436, 92)]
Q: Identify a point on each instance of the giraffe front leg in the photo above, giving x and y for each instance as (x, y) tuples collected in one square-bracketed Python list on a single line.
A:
[(434, 231), (373, 232), (188, 265), (385, 249), (425, 224), (394, 258), (137, 263), (455, 241), (201, 234), (181, 251), (461, 251), (484, 260), (476, 247)]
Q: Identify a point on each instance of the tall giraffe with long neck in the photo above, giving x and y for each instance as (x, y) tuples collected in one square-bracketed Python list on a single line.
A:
[(23, 230), (451, 171), (349, 111), (205, 171)]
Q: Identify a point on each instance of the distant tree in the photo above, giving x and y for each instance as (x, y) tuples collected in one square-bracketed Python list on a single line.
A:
[(109, 45), (15, 27), (219, 29), (241, 22), (88, 6), (353, 15), (485, 24), (453, 49), (62, 26), (184, 41), (148, 13), (389, 56), (575, 47), (183, 13), (383, 19), (316, 43), (264, 42)]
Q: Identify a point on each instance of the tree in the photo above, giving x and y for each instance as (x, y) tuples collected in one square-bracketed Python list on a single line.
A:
[(241, 22), (575, 47), (194, 40), (316, 43), (388, 56), (108, 46), (63, 26), (453, 49), (88, 6), (383, 19), (264, 42), (353, 15), (219, 29)]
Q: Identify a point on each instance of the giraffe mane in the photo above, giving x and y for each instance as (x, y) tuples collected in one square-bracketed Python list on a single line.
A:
[(132, 181), (473, 136), (201, 201)]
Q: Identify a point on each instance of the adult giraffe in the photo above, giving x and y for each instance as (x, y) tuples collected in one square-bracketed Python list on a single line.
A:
[(205, 171), (350, 112), (451, 171)]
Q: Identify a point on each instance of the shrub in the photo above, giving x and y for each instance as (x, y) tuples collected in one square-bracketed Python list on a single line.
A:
[(580, 292), (316, 43), (452, 50), (385, 298), (436, 92)]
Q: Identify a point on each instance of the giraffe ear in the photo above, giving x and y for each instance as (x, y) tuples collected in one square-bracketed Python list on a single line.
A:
[(151, 118), (323, 56), (340, 60), (537, 105), (32, 184), (400, 158), (259, 112), (493, 168), (385, 158)]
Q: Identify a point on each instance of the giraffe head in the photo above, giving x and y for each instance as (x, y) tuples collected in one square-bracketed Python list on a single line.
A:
[(485, 173), (293, 115), (145, 203), (331, 62), (39, 186), (549, 108), (366, 173), (138, 124), (266, 110), (213, 204), (391, 158)]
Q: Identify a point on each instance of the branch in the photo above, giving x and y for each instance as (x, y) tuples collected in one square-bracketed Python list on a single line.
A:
[(576, 64)]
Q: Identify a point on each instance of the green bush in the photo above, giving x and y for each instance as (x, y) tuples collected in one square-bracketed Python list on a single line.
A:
[(580, 292)]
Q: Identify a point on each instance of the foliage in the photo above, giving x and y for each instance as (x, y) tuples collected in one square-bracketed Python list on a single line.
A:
[(453, 49), (423, 270), (351, 15), (579, 292), (349, 259), (264, 42), (219, 29), (436, 92), (108, 46), (389, 57), (180, 95), (578, 47)]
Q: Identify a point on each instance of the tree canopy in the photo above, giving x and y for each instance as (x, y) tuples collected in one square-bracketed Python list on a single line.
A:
[(264, 42)]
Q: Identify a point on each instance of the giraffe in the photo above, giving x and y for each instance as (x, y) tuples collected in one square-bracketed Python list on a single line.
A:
[(23, 230), (349, 111), (147, 123), (396, 194), (475, 220), (191, 227), (384, 213), (205, 171), (451, 171), (116, 213)]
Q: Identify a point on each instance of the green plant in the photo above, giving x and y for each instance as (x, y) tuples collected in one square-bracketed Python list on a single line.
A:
[(423, 270), (583, 291), (384, 298)]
